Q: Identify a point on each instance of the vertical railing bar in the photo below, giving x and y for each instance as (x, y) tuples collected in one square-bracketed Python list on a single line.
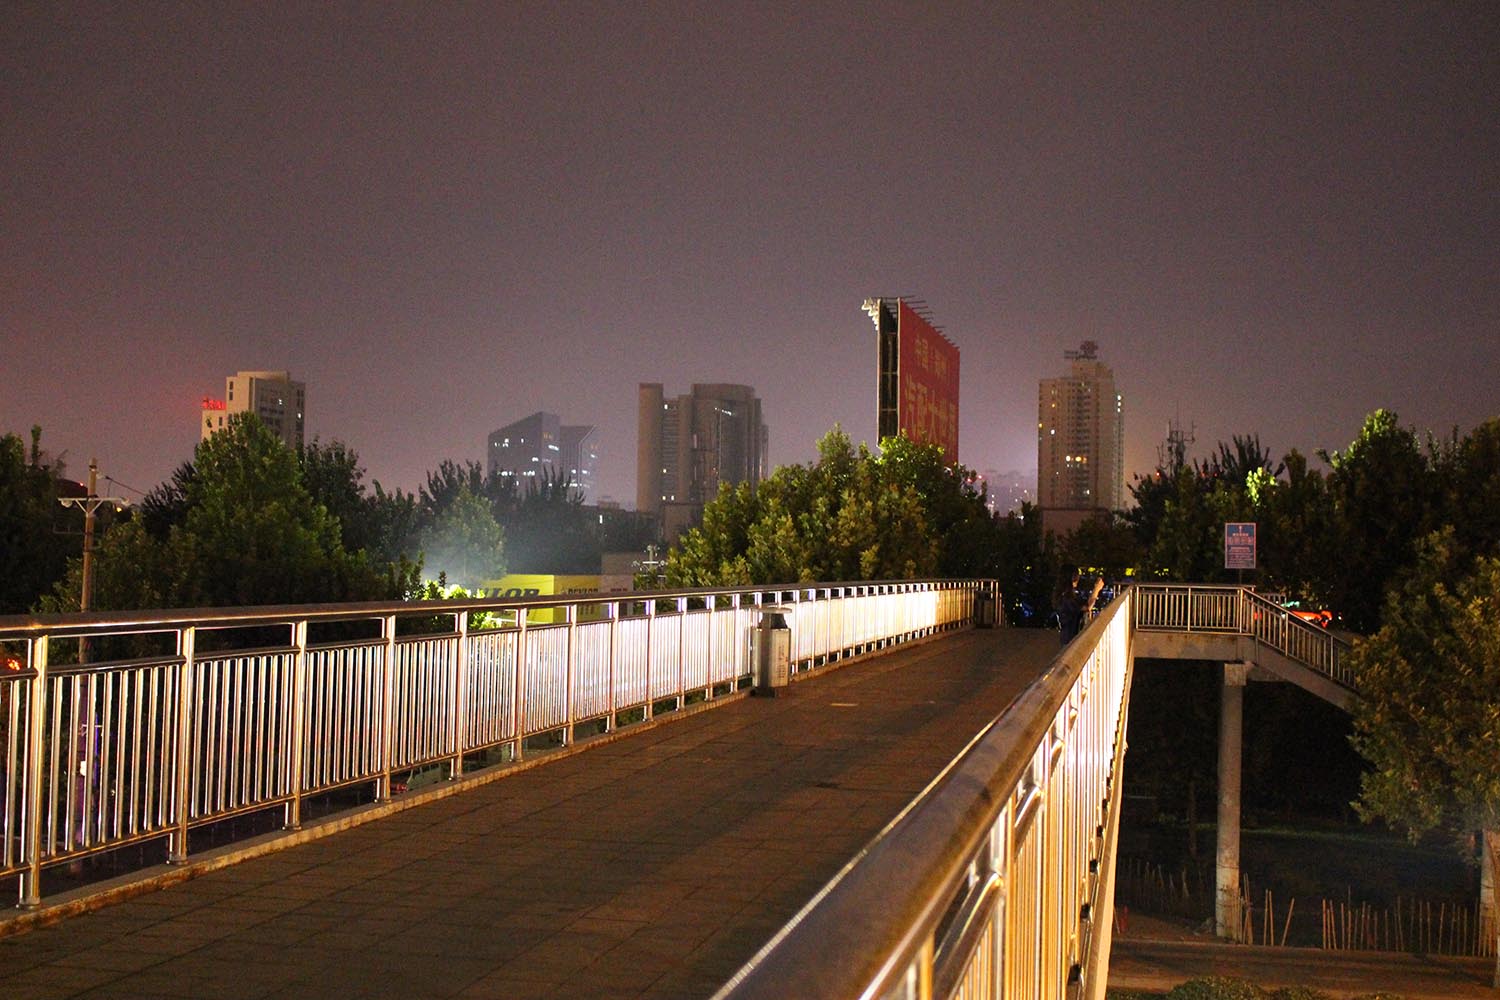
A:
[(31, 879), (517, 707), (177, 843), (296, 738), (614, 647), (386, 748), (650, 643), (710, 608), (682, 608), (139, 786), (570, 614), (65, 785), (114, 741), (462, 661)]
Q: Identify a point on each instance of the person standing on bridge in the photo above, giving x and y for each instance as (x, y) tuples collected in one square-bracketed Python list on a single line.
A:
[(1073, 608)]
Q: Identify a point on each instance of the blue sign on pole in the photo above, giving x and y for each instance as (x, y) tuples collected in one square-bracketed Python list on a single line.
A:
[(1239, 545)]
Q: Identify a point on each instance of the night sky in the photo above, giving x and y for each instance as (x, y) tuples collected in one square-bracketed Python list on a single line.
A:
[(1273, 218)]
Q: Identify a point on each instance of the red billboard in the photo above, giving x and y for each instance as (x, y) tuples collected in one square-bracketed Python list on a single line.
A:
[(927, 383)]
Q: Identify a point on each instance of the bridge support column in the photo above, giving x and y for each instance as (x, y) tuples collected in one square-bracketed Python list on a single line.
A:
[(1228, 919)]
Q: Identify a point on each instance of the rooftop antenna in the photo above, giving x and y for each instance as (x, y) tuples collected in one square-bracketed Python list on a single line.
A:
[(1173, 453)]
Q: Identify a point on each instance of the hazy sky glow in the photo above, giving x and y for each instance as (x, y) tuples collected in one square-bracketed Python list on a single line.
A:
[(443, 217)]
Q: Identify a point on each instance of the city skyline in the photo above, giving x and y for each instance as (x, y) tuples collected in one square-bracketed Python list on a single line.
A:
[(1272, 221)]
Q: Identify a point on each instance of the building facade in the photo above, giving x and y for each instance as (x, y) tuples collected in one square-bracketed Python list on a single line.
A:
[(542, 446), (688, 446), (279, 402), (1080, 442)]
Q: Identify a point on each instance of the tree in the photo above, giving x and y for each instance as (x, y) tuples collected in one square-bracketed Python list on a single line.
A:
[(548, 531), (1382, 493), (1297, 527), (852, 515), (1027, 564), (1106, 543), (463, 543), (1429, 716), (1468, 474), (166, 506), (37, 535), (333, 477), (244, 531)]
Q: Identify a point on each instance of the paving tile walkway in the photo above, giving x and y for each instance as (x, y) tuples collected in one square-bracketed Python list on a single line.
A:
[(651, 867)]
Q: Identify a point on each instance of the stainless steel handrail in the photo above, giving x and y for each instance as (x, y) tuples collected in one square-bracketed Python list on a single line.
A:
[(1009, 850), (97, 755)]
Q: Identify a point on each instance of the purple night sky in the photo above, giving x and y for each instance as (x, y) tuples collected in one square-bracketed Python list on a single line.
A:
[(443, 217)]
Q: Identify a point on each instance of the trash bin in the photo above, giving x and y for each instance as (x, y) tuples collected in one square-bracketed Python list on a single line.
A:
[(984, 608), (772, 645)]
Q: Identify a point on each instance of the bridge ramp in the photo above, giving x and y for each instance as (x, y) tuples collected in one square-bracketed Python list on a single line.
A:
[(650, 866)]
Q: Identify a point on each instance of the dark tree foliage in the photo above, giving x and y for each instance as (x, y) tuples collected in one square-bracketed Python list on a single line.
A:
[(1104, 545), (166, 506), (548, 531), (1468, 483), (1026, 564), (333, 477), (462, 543), (246, 532), (1383, 494), (853, 515), (37, 535)]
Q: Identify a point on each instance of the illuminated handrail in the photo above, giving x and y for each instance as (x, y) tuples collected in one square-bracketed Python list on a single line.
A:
[(98, 755), (997, 880), (1229, 609)]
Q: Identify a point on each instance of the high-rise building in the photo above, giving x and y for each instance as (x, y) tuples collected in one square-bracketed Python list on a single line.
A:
[(580, 454), (542, 446), (688, 446), (272, 396), (1080, 442)]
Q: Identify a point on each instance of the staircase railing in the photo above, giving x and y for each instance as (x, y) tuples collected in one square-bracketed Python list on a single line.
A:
[(1241, 611)]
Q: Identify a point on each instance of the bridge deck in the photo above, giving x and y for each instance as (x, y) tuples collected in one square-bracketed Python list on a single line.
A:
[(650, 866)]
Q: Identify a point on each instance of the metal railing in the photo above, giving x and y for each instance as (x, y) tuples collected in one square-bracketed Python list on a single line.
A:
[(98, 755), (1241, 611), (996, 881)]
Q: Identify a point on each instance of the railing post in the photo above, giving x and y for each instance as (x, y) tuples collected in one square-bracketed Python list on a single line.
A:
[(387, 711), (518, 713), (650, 633), (31, 878), (460, 696), (614, 640), (710, 605), (569, 663), (682, 605), (177, 841), (297, 748), (738, 652)]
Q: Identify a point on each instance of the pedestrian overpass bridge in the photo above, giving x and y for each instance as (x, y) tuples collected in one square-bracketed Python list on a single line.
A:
[(935, 818)]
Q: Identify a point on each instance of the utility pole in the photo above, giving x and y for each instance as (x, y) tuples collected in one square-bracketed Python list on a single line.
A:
[(90, 505)]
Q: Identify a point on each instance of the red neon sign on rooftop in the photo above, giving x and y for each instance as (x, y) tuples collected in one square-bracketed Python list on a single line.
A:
[(212, 404)]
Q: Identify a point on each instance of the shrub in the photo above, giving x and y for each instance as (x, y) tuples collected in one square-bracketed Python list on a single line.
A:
[(1217, 988)]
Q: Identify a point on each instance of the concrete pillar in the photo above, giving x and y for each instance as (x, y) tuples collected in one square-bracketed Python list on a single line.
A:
[(1227, 919)]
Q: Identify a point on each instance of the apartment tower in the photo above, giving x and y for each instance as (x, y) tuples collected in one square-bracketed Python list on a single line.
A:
[(1080, 442)]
